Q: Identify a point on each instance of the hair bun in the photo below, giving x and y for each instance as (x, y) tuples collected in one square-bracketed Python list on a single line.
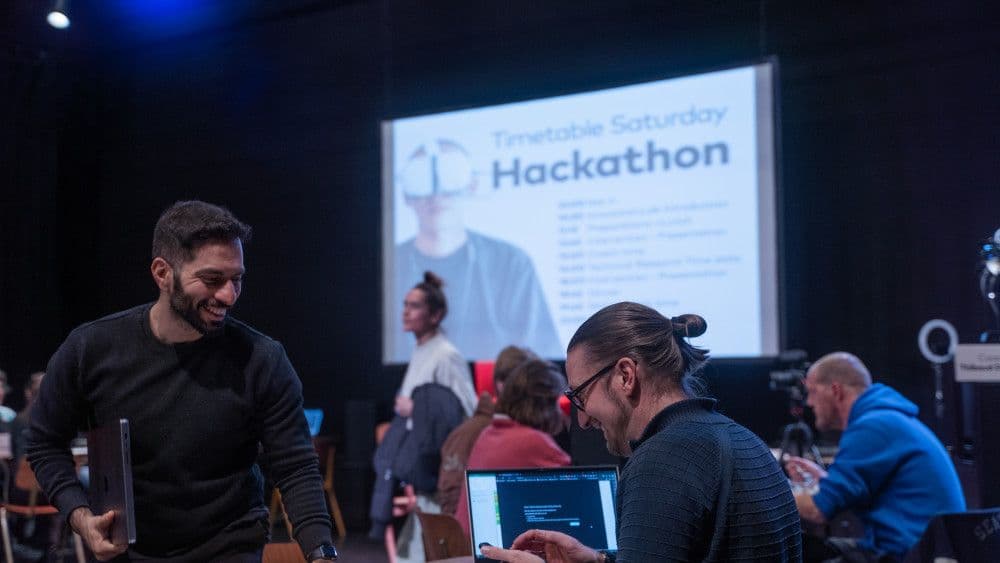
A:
[(433, 279), (689, 325)]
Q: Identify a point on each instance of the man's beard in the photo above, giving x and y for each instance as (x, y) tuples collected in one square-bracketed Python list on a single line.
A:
[(185, 307), (615, 434)]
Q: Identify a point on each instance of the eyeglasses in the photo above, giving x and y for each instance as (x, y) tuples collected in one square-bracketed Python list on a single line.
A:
[(574, 394)]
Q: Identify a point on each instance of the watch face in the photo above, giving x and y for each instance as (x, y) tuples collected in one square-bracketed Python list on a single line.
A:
[(327, 552)]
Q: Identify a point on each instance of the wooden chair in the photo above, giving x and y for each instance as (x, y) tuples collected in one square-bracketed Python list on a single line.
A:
[(443, 537), (283, 552), (278, 507), (331, 495), (327, 451), (24, 479)]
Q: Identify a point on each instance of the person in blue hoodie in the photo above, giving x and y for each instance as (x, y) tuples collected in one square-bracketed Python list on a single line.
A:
[(891, 470)]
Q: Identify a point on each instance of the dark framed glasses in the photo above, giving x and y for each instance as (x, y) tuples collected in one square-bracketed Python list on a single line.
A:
[(574, 394)]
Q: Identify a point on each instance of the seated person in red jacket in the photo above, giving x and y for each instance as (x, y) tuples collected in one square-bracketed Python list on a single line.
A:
[(457, 447), (527, 416)]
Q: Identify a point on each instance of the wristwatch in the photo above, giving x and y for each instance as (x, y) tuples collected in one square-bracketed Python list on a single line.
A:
[(324, 552)]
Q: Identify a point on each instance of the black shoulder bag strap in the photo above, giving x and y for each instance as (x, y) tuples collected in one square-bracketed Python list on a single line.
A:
[(726, 476)]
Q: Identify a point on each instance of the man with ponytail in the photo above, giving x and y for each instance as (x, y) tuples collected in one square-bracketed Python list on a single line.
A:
[(697, 486)]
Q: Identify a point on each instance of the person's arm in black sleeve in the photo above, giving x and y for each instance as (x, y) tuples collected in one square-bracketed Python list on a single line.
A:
[(60, 411), (288, 450), (56, 418)]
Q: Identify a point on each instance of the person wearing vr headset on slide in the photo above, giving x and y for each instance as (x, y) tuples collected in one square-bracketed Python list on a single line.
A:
[(494, 293)]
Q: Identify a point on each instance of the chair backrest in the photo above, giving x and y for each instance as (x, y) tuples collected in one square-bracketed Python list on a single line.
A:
[(443, 537), (24, 478), (483, 376), (286, 552), (325, 450), (959, 536)]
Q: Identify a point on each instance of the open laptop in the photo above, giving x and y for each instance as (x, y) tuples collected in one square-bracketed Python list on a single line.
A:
[(110, 459), (579, 501)]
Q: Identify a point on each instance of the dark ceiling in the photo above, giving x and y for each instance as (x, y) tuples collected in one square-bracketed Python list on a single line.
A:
[(100, 26), (103, 26)]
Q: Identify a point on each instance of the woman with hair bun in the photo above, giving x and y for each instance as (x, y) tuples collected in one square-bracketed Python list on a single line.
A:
[(697, 486), (435, 359), (435, 397)]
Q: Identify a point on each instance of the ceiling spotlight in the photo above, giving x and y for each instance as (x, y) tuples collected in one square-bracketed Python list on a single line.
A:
[(59, 15)]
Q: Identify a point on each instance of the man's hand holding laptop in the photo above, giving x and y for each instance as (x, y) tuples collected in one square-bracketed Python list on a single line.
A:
[(96, 532)]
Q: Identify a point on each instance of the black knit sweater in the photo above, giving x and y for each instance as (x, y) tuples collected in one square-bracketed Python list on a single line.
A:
[(670, 486), (197, 413)]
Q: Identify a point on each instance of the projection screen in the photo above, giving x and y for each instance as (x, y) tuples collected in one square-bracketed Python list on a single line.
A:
[(536, 214)]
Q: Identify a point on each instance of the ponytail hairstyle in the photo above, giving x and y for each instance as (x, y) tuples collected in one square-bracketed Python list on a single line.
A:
[(639, 332), (531, 394), (433, 294)]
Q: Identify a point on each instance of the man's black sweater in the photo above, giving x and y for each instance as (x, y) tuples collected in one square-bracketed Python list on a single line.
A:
[(670, 486), (197, 413)]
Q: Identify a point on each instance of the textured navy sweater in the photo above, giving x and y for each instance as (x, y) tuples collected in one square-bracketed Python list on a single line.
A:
[(670, 486), (197, 413)]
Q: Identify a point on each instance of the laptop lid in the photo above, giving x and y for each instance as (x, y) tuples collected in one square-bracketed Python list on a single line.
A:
[(314, 417), (110, 459), (578, 501)]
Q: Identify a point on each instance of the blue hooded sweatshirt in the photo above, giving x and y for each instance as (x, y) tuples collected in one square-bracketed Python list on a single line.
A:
[(891, 471)]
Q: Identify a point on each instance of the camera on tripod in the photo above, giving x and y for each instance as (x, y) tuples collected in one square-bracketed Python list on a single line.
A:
[(791, 379), (796, 438)]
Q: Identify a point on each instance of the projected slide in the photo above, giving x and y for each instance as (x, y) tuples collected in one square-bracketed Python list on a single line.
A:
[(536, 214)]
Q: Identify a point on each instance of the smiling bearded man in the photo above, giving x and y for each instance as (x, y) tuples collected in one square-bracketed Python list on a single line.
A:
[(202, 392)]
